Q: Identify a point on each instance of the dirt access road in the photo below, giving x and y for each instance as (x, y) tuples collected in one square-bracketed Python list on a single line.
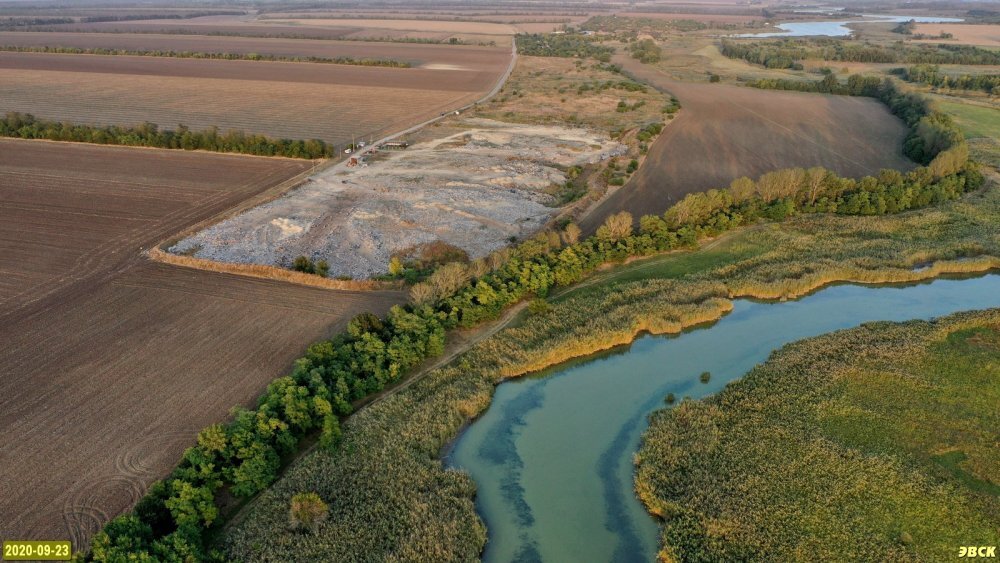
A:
[(725, 131)]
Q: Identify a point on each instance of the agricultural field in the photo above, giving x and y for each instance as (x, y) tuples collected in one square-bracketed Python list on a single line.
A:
[(112, 363), (962, 34), (467, 58), (723, 132), (334, 103), (899, 430), (311, 28)]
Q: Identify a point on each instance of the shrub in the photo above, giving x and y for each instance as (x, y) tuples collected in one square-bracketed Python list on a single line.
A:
[(307, 512)]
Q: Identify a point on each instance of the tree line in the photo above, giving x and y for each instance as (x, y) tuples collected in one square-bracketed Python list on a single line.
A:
[(27, 126), (207, 55), (931, 75), (136, 17), (786, 53), (245, 454)]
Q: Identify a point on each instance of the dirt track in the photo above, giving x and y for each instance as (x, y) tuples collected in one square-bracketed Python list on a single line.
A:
[(111, 363), (724, 131)]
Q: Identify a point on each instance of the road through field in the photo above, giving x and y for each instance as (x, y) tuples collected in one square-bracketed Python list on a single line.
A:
[(724, 131), (110, 363)]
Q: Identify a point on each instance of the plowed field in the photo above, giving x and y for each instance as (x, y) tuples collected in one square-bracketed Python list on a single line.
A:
[(110, 363), (723, 132)]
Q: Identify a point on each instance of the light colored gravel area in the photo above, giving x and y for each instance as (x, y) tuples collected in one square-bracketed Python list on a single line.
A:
[(474, 189)]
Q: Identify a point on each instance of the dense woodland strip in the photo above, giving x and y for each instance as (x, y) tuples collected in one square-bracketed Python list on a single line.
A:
[(931, 75), (27, 126), (244, 455), (787, 53), (206, 55)]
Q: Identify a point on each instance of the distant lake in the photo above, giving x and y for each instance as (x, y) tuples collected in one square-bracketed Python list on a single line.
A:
[(839, 28)]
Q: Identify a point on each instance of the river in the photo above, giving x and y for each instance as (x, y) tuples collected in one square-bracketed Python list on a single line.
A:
[(839, 28), (552, 456)]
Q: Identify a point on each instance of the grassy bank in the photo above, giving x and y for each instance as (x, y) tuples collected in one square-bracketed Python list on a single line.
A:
[(390, 497), (887, 446)]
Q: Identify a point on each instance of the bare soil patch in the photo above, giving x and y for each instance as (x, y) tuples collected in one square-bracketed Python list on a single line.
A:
[(110, 363), (474, 189), (724, 132)]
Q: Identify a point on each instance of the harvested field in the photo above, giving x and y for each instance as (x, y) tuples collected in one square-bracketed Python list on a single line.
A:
[(473, 189), (469, 58), (112, 363), (724, 132), (312, 28), (484, 28), (290, 100), (194, 27), (964, 34)]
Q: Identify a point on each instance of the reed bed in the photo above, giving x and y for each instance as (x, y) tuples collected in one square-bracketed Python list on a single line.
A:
[(885, 446), (391, 498)]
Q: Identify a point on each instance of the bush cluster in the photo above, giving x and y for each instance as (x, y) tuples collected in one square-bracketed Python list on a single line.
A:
[(27, 126), (646, 51), (567, 45)]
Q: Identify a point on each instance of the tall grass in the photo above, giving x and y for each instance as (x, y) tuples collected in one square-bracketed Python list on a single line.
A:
[(392, 499), (837, 448)]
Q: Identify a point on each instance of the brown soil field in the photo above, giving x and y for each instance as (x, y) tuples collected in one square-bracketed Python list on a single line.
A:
[(191, 26), (485, 28), (470, 57), (290, 100), (964, 34), (111, 363), (312, 28), (723, 132)]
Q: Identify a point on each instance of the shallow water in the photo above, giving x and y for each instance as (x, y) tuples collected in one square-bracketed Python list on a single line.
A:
[(552, 456), (839, 28)]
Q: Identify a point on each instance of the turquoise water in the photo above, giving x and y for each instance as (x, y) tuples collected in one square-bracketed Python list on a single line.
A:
[(839, 28), (552, 456)]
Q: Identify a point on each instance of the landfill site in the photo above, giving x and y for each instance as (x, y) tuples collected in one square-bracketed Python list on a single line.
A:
[(476, 189)]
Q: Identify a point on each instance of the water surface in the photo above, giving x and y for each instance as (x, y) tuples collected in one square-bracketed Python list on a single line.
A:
[(552, 456), (839, 28)]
